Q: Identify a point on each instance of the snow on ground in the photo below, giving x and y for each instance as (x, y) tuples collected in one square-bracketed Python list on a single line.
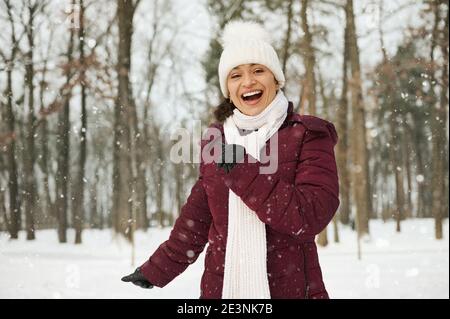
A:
[(410, 264)]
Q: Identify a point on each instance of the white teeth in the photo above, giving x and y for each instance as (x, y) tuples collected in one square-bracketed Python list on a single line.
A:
[(251, 93)]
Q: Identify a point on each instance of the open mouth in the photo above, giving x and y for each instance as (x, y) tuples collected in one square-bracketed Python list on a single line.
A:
[(253, 97)]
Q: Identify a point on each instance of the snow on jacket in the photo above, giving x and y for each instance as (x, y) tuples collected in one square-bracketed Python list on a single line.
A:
[(296, 203)]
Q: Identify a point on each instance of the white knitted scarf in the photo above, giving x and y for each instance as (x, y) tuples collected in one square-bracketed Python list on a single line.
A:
[(245, 274)]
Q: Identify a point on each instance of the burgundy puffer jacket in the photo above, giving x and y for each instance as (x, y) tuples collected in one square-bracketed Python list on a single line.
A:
[(295, 203)]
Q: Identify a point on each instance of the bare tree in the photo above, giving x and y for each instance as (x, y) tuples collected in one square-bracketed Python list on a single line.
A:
[(63, 179), (438, 117), (78, 192), (48, 215), (342, 148), (287, 41), (444, 99), (308, 84), (122, 176), (359, 144), (30, 187), (13, 180)]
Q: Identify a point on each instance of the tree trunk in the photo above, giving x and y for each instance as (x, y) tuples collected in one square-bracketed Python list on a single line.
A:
[(375, 180), (46, 219), (422, 185), (406, 150), (438, 128), (63, 178), (342, 151), (30, 190), (395, 155), (179, 187), (336, 229), (444, 112), (78, 195), (308, 87), (122, 178), (13, 183), (13, 178), (385, 200), (322, 238), (139, 182), (159, 193), (3, 214), (369, 191), (359, 144), (396, 163), (287, 41), (94, 220)]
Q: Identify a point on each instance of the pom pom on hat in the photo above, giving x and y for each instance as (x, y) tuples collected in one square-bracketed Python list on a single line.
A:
[(242, 31), (247, 42)]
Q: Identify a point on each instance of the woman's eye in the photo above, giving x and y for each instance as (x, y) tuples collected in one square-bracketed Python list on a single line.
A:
[(259, 70), (234, 76)]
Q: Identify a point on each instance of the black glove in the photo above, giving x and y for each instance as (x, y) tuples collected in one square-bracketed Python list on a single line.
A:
[(231, 155), (138, 279)]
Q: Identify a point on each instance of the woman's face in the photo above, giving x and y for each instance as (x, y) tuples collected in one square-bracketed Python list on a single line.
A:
[(252, 87)]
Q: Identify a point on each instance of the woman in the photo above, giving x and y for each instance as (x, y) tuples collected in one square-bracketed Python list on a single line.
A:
[(260, 226)]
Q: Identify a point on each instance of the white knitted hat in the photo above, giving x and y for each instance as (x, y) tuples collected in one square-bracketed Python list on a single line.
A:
[(247, 42)]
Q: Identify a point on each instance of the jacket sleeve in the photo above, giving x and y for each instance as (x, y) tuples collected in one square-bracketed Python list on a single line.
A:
[(186, 241), (301, 208)]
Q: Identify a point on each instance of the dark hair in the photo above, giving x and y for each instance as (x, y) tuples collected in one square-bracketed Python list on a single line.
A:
[(224, 110)]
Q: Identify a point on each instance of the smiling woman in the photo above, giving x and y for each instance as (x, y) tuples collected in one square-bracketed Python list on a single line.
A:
[(260, 225)]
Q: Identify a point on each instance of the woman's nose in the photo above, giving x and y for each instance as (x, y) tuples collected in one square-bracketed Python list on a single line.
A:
[(248, 80)]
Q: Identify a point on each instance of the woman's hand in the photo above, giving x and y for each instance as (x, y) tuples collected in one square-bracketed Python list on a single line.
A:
[(138, 279), (231, 154)]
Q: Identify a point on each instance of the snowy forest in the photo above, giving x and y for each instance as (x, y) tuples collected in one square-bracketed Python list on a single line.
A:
[(92, 93)]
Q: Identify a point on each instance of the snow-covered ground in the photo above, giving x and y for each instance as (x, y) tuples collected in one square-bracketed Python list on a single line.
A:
[(410, 264)]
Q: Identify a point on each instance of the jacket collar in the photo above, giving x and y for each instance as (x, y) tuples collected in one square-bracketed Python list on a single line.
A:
[(291, 116)]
